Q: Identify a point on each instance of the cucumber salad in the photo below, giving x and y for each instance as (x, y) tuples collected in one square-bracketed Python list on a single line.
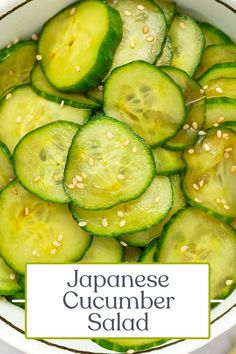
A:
[(118, 144)]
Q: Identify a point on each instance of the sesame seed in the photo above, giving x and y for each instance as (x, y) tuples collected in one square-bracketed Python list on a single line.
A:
[(34, 37), (80, 185), (184, 248), (8, 96), (83, 223), (194, 125), (77, 68), (219, 90), (39, 57), (150, 39), (219, 134), (123, 243), (197, 200), (130, 351), (72, 11), (182, 25), (62, 103), (26, 211), (140, 7), (126, 142), (202, 91), (145, 29), (157, 199), (196, 186), (60, 237), (120, 213), (34, 253), (228, 150), (18, 119), (10, 180), (218, 201), (12, 276), (74, 181), (36, 178), (104, 222), (10, 73), (132, 44), (57, 178), (216, 125), (71, 186), (122, 223), (16, 40), (229, 282), (191, 151), (201, 133), (221, 120), (79, 178), (226, 206), (201, 183), (84, 175), (207, 147), (120, 176), (127, 13), (223, 201), (14, 191), (56, 244), (110, 135), (91, 162), (205, 87), (53, 251), (226, 155), (233, 169), (134, 150), (100, 88), (186, 127)]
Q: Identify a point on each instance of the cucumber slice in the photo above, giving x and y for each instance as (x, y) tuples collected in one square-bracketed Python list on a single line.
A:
[(6, 169), (104, 250), (96, 94), (222, 87), (188, 43), (217, 71), (209, 181), (147, 256), (34, 231), (143, 238), (219, 110), (168, 162), (195, 101), (78, 44), (41, 172), (133, 216), (8, 280), (144, 31), (216, 54), (132, 254), (110, 155), (26, 111), (122, 345), (43, 88), (166, 54), (213, 35), (192, 236), (168, 8), (139, 94), (16, 64)]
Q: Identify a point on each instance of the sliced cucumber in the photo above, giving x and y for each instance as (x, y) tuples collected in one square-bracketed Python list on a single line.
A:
[(8, 280), (222, 87), (132, 254), (104, 250), (195, 101), (213, 35), (209, 181), (40, 158), (6, 169), (16, 64), (216, 54), (34, 231), (78, 44), (217, 71), (168, 162), (122, 345), (143, 238), (188, 43), (96, 94), (219, 110), (147, 256), (192, 236), (166, 54), (132, 216), (139, 94), (110, 155), (168, 8), (43, 88), (26, 111), (143, 34)]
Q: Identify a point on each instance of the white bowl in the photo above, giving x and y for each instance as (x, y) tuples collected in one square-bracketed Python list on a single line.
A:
[(21, 19)]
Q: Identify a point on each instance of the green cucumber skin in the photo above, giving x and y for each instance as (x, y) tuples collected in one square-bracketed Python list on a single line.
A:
[(123, 348), (223, 218), (101, 117), (104, 62), (209, 28), (147, 249), (6, 152), (203, 78), (15, 162)]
